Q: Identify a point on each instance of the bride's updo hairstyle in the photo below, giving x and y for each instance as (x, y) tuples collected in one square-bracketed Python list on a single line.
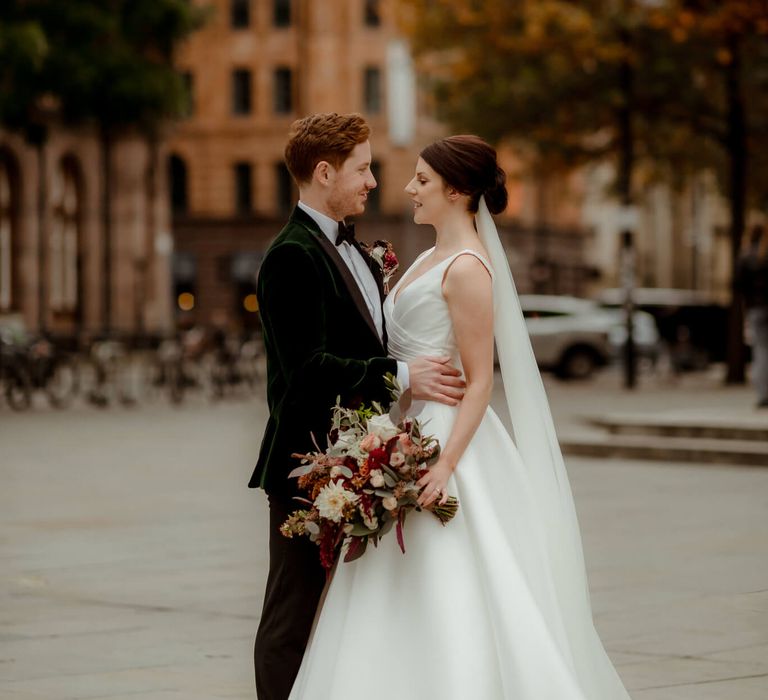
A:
[(468, 164)]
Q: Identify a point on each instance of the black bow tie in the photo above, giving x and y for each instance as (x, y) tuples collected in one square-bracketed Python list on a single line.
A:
[(346, 233)]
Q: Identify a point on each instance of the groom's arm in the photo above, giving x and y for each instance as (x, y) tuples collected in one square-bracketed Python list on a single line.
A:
[(291, 301)]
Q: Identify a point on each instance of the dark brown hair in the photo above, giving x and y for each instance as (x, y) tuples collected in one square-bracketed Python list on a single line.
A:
[(329, 137), (468, 164)]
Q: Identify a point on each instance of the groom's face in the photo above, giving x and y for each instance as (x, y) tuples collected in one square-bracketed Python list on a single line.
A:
[(351, 183)]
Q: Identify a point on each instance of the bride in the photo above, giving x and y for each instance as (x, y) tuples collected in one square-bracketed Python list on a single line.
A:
[(495, 605)]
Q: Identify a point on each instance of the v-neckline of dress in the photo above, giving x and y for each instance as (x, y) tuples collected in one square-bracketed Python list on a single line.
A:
[(399, 292)]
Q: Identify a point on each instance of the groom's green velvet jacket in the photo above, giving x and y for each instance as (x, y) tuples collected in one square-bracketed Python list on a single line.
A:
[(320, 342)]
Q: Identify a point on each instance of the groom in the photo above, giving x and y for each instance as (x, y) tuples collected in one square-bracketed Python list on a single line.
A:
[(320, 297)]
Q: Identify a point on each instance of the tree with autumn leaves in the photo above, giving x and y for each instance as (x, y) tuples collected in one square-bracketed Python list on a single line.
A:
[(675, 85)]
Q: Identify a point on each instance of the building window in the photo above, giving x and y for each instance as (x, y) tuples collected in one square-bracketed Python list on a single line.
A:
[(374, 195), (285, 190), (283, 91), (243, 181), (7, 235), (282, 13), (240, 13), (371, 13), (241, 91), (372, 90), (188, 108), (64, 237), (177, 185)]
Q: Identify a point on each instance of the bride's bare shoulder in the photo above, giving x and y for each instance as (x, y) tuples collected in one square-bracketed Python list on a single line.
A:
[(468, 277), (467, 265)]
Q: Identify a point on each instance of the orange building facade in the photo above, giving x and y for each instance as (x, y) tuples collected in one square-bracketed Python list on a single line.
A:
[(192, 215), (251, 71)]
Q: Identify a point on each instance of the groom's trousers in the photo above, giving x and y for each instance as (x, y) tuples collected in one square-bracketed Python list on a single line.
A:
[(294, 585)]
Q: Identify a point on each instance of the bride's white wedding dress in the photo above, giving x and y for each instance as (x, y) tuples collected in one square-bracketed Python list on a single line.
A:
[(471, 610)]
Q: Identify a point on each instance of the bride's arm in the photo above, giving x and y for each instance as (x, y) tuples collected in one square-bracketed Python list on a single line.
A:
[(468, 290)]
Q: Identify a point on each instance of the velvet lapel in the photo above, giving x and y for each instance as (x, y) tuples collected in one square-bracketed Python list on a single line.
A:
[(301, 217)]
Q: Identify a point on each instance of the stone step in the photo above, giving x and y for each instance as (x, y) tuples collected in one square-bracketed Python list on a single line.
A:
[(668, 449), (684, 427)]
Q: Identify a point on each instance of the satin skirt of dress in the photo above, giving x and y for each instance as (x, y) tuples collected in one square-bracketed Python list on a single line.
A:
[(468, 612)]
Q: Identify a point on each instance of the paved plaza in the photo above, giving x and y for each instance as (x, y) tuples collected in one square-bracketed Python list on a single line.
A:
[(133, 557)]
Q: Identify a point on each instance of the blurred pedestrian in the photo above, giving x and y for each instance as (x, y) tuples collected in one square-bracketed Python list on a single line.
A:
[(752, 281)]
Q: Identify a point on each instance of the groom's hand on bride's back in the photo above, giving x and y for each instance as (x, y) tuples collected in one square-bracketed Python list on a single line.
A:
[(435, 379)]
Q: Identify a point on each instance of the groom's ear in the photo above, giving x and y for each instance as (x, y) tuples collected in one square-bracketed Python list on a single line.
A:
[(323, 172)]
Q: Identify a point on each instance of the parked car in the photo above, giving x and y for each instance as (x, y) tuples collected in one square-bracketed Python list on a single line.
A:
[(573, 337), (645, 333), (569, 336), (693, 326)]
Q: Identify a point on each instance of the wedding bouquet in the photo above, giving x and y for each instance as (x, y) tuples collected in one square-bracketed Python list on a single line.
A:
[(365, 482)]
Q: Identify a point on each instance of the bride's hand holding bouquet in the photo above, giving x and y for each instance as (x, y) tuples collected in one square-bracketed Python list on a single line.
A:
[(434, 483)]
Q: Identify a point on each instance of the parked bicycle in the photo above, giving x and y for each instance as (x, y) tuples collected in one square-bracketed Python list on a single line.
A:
[(235, 364), (178, 366), (38, 365), (108, 374), (15, 383)]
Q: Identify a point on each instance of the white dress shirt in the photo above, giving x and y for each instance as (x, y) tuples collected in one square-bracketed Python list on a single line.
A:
[(363, 276)]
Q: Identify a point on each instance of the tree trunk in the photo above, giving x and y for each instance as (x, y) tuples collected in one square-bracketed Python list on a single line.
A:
[(737, 156)]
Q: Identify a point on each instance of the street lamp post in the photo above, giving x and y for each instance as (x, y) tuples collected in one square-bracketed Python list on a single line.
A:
[(628, 283), (628, 216)]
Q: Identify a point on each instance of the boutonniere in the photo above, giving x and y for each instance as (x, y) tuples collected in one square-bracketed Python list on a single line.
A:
[(383, 254)]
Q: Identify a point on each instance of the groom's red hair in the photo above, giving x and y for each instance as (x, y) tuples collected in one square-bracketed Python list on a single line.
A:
[(322, 137)]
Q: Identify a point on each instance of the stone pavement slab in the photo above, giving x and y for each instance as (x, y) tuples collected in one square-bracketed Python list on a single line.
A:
[(133, 559)]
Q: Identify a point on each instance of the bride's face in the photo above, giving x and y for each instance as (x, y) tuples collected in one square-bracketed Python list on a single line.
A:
[(428, 194)]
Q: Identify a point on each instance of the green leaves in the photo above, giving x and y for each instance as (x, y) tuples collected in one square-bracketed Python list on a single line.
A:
[(105, 62)]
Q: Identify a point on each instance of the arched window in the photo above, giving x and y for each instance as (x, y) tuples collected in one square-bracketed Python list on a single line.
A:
[(177, 175), (9, 243), (65, 236)]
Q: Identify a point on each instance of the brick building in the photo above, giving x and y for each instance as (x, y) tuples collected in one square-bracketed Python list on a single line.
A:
[(55, 258), (193, 215), (256, 67), (253, 70)]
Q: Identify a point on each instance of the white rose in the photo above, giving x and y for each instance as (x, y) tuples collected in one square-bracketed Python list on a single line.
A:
[(383, 427), (390, 503), (377, 478), (397, 459), (346, 439), (332, 499)]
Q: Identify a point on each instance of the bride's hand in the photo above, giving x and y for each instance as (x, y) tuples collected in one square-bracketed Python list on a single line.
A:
[(435, 483)]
